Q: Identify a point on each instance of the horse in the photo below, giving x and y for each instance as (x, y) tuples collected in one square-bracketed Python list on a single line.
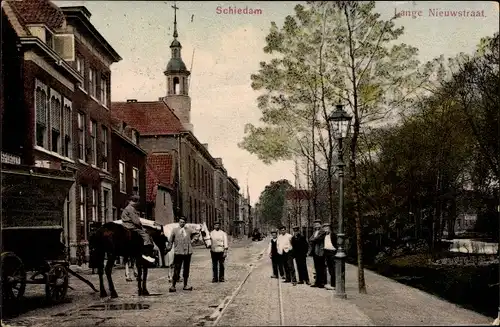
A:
[(115, 240), (167, 257), (198, 229)]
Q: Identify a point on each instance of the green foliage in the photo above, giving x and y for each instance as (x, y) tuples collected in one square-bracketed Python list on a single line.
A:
[(271, 202)]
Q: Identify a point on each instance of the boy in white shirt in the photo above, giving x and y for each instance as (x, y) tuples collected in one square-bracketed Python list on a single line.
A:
[(218, 252)]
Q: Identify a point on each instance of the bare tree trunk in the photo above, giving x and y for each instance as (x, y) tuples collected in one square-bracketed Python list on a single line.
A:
[(352, 164)]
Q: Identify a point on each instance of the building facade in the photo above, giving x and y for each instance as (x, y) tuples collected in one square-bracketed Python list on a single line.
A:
[(165, 127), (233, 206), (128, 168), (297, 210), (66, 90), (161, 170), (221, 195)]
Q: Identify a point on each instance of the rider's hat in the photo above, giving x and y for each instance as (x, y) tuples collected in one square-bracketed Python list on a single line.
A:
[(327, 224), (317, 221), (295, 227), (134, 198), (216, 222)]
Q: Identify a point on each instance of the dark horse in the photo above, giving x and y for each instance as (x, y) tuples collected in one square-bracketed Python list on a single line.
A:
[(114, 240)]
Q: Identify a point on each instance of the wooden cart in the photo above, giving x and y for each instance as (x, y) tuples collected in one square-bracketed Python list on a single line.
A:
[(32, 224)]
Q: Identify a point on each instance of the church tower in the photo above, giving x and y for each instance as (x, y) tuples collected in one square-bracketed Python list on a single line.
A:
[(178, 81)]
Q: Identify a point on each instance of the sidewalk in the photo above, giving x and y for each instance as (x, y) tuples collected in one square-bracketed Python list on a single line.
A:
[(387, 303)]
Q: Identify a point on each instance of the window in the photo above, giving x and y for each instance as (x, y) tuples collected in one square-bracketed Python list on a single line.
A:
[(80, 65), (135, 179), (92, 82), (83, 213), (55, 122), (67, 122), (121, 169), (93, 142), (176, 85), (135, 137), (104, 142), (164, 198), (94, 204), (49, 39), (106, 205), (104, 91), (41, 128), (81, 136)]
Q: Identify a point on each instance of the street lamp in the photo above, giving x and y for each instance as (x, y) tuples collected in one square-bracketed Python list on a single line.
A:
[(339, 121)]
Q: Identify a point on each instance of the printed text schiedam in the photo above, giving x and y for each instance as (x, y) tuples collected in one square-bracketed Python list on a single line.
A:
[(231, 10)]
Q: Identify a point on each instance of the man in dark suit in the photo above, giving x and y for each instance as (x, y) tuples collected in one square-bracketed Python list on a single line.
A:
[(181, 239), (330, 248), (300, 248), (276, 258), (317, 243)]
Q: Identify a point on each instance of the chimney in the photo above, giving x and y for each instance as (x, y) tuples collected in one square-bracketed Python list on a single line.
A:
[(236, 181), (160, 99), (131, 100), (219, 161), (205, 145)]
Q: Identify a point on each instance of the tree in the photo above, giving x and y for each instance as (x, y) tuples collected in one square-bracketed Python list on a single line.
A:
[(272, 201), (326, 52)]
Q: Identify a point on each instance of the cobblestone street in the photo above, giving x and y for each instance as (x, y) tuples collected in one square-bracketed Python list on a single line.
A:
[(84, 307)]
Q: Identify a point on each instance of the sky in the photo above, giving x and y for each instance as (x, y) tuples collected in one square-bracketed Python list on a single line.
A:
[(227, 49)]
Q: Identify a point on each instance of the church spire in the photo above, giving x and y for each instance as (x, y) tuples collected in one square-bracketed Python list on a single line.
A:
[(175, 20)]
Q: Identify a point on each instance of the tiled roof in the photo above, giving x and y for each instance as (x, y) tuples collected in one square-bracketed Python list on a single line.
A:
[(297, 194), (149, 118), (151, 184), (159, 170), (38, 11)]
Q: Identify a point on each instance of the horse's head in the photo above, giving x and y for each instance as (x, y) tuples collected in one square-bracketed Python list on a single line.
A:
[(201, 230), (205, 233)]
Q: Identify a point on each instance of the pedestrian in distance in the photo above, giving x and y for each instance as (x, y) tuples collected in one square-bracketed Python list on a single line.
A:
[(183, 250), (276, 258), (317, 244), (131, 221), (285, 249), (218, 252), (330, 250), (300, 249)]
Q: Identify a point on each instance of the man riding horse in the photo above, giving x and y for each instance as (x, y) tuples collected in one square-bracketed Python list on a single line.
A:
[(131, 221)]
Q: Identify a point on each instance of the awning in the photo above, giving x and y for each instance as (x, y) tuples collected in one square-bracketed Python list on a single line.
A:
[(33, 196)]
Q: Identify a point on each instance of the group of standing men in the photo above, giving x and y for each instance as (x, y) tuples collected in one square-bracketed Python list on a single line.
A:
[(285, 248)]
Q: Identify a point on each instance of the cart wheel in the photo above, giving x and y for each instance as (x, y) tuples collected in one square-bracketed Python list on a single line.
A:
[(56, 285), (13, 278)]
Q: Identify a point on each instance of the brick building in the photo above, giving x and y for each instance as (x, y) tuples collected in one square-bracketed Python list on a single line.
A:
[(66, 75), (161, 171), (165, 128), (128, 168)]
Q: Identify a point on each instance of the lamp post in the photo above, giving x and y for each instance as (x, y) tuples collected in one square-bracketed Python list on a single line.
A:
[(339, 122)]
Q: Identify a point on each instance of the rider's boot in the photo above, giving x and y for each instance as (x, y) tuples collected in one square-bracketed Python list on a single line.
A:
[(148, 250)]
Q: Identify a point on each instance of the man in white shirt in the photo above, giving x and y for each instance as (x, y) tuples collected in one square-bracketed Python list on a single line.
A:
[(317, 244), (218, 251), (284, 245), (329, 251)]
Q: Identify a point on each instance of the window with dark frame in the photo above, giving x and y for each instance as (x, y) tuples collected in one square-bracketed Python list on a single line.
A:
[(41, 94), (67, 123), (55, 122), (121, 169), (104, 145), (81, 136), (93, 142)]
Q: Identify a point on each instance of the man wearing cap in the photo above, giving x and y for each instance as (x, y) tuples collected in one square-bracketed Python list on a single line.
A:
[(218, 252), (329, 251), (285, 249), (181, 240), (276, 258), (131, 221), (317, 242), (300, 248)]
